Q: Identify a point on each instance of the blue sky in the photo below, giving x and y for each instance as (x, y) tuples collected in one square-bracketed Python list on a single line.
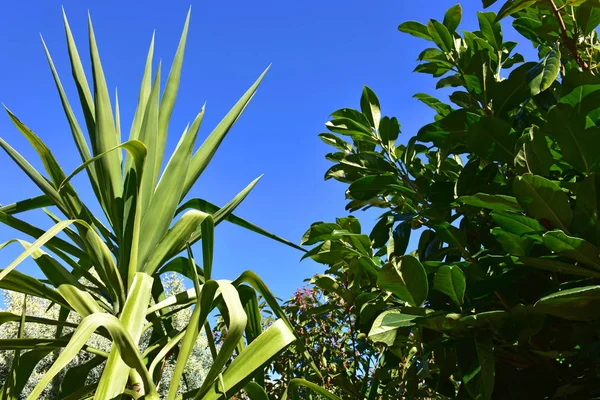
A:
[(323, 52)]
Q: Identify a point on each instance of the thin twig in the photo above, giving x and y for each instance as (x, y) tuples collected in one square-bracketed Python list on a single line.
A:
[(569, 42)]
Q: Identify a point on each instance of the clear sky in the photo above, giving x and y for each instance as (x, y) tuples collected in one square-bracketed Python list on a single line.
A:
[(323, 52)]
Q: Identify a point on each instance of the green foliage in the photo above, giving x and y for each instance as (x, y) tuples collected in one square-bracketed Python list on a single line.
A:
[(141, 194), (498, 194)]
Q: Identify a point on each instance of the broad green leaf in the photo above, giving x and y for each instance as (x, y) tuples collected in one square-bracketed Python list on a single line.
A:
[(516, 223), (549, 264), (492, 139), (513, 244), (476, 362), (405, 278), (452, 17), (496, 202), (514, 6), (587, 208), (588, 16), (369, 105), (440, 35), (573, 247), (255, 392), (579, 304), (370, 186), (543, 199), (451, 281), (441, 108), (385, 326), (543, 75), (490, 29), (576, 140), (416, 29)]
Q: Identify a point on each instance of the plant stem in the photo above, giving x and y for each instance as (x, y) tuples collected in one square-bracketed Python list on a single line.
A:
[(569, 42)]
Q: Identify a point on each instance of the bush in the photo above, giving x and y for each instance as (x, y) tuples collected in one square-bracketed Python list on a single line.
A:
[(500, 298)]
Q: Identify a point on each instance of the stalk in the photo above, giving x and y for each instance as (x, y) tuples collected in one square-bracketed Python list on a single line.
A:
[(116, 372)]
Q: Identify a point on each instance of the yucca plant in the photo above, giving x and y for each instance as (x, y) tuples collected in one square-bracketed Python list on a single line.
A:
[(148, 230)]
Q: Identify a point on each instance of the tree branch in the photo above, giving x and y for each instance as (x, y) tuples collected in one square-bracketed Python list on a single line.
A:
[(569, 42)]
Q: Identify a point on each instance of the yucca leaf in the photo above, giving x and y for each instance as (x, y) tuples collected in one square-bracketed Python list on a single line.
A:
[(149, 136), (182, 298), (35, 176), (116, 371), (175, 239), (36, 232), (168, 99), (228, 208), (235, 331), (165, 350), (135, 148), (26, 367), (181, 266), (76, 376), (8, 389), (21, 283), (26, 205), (206, 152), (49, 234), (203, 305), (208, 207), (145, 89), (274, 339), (295, 383), (159, 215), (10, 317), (69, 288), (77, 133), (121, 339), (83, 89), (105, 138)]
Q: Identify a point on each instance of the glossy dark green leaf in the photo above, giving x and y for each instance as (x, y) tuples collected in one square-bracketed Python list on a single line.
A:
[(452, 17), (490, 29), (577, 140), (513, 6), (440, 35), (451, 281), (573, 247), (513, 244), (543, 199), (492, 139), (517, 224), (405, 278), (543, 75), (386, 324), (441, 108), (370, 186), (369, 105), (476, 363), (496, 202), (587, 208), (416, 29), (579, 304)]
